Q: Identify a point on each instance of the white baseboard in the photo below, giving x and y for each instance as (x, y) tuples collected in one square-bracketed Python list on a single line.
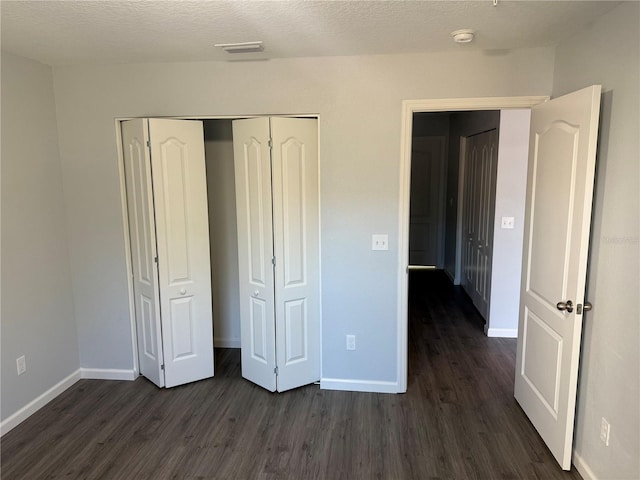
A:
[(502, 332), (107, 374), (583, 468), (33, 406), (358, 385), (226, 342)]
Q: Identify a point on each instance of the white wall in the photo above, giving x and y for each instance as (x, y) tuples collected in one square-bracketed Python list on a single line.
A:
[(37, 304), (359, 100), (608, 53), (223, 234), (511, 190)]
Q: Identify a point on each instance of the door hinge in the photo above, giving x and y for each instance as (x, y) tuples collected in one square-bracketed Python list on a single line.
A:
[(162, 367), (273, 261), (155, 259), (270, 143), (275, 370), (149, 143)]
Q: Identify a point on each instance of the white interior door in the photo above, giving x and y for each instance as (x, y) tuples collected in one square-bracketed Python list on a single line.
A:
[(297, 250), (558, 213), (142, 235), (427, 202), (182, 229), (481, 167), (276, 171), (252, 162)]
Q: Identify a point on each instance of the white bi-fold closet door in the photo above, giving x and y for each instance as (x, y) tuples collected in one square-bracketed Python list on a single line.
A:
[(169, 237), (277, 202), (479, 197)]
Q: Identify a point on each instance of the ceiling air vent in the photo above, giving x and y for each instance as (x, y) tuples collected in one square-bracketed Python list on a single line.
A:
[(244, 47)]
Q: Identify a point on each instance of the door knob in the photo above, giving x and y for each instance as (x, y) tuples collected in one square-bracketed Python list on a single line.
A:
[(565, 306), (183, 291), (256, 293), (579, 308)]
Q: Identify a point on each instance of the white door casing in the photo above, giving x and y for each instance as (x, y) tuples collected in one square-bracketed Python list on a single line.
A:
[(278, 222), (556, 242), (142, 236), (252, 162), (182, 229), (297, 250), (427, 202)]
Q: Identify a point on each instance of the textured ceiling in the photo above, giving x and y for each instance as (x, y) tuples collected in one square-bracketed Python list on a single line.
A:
[(103, 31)]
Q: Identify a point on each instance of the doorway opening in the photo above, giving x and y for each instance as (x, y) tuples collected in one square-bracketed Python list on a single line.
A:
[(508, 105), (454, 160)]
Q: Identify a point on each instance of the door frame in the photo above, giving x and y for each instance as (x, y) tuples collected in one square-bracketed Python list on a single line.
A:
[(125, 215), (409, 107)]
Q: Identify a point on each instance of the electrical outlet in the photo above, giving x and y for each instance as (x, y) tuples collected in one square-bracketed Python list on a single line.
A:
[(605, 431), (351, 342), (21, 363)]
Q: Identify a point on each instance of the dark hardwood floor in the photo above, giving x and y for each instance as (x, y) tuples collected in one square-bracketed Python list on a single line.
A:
[(458, 419)]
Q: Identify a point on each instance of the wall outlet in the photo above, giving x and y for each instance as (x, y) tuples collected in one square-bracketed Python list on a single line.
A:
[(605, 431), (351, 342), (21, 363)]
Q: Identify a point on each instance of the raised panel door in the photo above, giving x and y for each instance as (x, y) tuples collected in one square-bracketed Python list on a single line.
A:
[(180, 194), (562, 157), (142, 238), (252, 162), (297, 250)]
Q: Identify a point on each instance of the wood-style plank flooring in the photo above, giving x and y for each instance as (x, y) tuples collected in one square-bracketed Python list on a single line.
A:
[(458, 419)]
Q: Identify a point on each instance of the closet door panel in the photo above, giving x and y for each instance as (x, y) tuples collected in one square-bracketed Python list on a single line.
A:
[(294, 205), (142, 235), (178, 172), (297, 250), (480, 172), (252, 161)]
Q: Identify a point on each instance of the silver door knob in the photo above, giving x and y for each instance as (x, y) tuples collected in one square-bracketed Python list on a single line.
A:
[(256, 293), (587, 306), (565, 306), (183, 291)]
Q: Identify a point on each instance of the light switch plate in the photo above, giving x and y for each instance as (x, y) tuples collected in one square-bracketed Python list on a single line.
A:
[(380, 242), (508, 223)]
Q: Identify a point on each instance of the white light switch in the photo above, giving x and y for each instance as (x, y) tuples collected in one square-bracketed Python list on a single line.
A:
[(380, 242), (508, 223)]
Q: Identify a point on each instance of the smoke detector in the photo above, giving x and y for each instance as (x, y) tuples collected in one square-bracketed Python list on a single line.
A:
[(463, 36)]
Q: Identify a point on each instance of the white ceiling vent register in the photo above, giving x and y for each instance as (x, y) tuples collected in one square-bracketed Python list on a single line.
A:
[(243, 47)]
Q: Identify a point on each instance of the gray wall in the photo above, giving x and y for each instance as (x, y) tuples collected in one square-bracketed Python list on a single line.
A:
[(608, 53), (359, 101), (223, 235), (511, 192), (37, 303)]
